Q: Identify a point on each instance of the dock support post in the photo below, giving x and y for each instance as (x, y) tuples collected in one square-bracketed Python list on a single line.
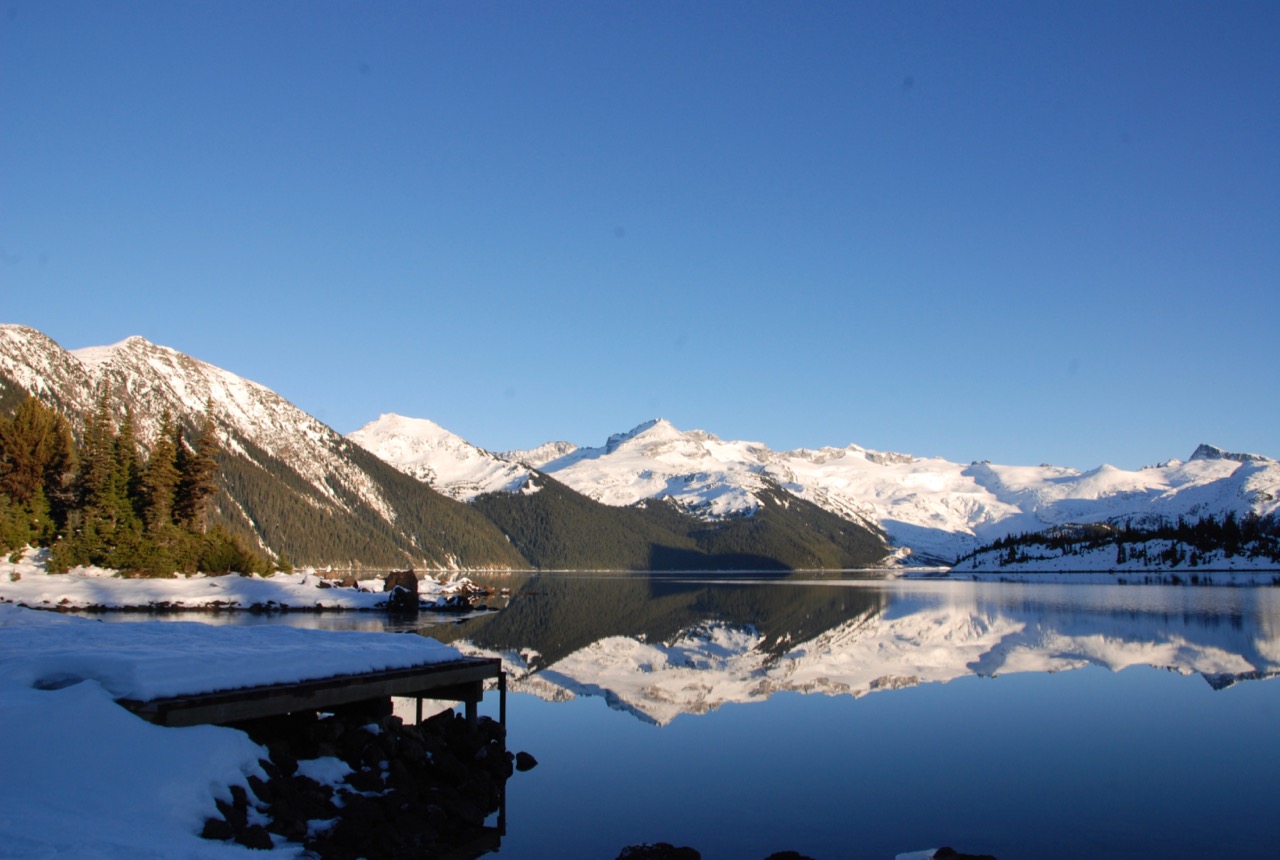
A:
[(473, 705), (502, 705)]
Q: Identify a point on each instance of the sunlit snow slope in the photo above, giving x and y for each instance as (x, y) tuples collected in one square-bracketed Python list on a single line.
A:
[(937, 509), (444, 460)]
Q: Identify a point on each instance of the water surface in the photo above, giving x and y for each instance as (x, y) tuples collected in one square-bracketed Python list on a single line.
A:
[(858, 718)]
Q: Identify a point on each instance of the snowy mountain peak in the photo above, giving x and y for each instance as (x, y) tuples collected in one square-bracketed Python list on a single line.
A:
[(1209, 452), (426, 451), (423, 429), (93, 356), (537, 458), (652, 430)]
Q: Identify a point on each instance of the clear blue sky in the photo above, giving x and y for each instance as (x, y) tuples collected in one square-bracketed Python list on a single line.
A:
[(1026, 232)]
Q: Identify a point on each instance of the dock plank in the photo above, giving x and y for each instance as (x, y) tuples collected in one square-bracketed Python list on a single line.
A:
[(461, 679)]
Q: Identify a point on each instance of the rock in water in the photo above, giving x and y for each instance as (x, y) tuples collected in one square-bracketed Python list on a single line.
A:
[(403, 585)]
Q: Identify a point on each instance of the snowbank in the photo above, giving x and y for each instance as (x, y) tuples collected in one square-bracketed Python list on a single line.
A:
[(145, 660), (26, 582), (84, 777)]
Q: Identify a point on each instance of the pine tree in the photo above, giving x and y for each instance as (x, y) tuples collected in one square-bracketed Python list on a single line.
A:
[(198, 476), (37, 465), (160, 479), (128, 463)]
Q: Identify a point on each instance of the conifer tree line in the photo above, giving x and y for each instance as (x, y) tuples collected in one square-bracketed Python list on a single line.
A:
[(100, 502), (1185, 541)]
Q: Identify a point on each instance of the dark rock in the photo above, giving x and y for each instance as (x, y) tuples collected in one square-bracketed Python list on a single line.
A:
[(261, 789), (788, 855), (216, 828), (283, 759), (658, 851), (270, 769), (403, 585), (256, 836), (366, 780), (291, 827), (948, 853), (524, 762), (419, 791), (349, 582), (237, 818)]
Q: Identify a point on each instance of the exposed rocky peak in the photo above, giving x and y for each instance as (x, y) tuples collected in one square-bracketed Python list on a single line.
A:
[(536, 458), (1209, 452)]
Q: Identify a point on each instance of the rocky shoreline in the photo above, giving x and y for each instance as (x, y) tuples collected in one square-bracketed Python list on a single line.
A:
[(405, 790)]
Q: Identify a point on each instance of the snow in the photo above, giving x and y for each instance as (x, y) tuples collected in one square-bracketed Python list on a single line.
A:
[(26, 582), (144, 660), (326, 770), (83, 777), (426, 451), (160, 379), (1143, 562), (937, 509), (929, 633)]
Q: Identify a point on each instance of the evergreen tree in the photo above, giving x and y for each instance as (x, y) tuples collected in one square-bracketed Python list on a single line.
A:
[(198, 476), (160, 479), (37, 465), (129, 462)]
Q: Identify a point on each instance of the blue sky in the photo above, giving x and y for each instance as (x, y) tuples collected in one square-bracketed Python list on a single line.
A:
[(1026, 232)]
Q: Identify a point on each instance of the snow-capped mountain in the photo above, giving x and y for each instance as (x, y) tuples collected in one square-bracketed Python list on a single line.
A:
[(655, 460), (153, 379), (935, 509), (426, 451), (932, 510), (289, 480)]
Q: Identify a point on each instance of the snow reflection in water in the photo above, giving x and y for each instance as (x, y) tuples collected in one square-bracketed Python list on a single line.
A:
[(947, 716)]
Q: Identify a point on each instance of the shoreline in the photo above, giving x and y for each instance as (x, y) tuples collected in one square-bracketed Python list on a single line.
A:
[(1203, 577)]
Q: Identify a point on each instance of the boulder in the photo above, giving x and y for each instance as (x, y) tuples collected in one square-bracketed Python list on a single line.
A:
[(658, 851), (403, 585)]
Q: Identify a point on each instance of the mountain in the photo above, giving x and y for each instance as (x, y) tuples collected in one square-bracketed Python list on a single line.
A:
[(573, 523), (932, 510), (424, 450), (289, 483), (406, 491), (294, 487)]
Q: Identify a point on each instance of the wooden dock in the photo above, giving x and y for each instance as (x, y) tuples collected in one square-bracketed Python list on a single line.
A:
[(459, 680)]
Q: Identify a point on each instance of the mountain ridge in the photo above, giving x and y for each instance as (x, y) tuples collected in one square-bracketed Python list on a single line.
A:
[(932, 511)]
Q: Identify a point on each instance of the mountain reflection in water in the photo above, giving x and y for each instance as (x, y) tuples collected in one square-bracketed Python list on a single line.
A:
[(910, 743), (658, 647)]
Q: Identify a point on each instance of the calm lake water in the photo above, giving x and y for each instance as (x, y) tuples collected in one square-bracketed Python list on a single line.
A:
[(854, 718)]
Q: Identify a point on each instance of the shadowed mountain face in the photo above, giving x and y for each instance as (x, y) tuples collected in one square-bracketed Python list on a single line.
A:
[(292, 486), (287, 483), (658, 647)]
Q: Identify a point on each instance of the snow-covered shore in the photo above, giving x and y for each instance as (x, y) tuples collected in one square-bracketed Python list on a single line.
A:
[(1068, 576), (1103, 565), (84, 777), (26, 582)]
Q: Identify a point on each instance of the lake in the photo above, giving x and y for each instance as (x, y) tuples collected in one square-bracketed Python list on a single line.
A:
[(847, 717)]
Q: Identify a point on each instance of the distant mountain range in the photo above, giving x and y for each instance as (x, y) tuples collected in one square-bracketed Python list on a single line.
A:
[(406, 491), (931, 510)]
